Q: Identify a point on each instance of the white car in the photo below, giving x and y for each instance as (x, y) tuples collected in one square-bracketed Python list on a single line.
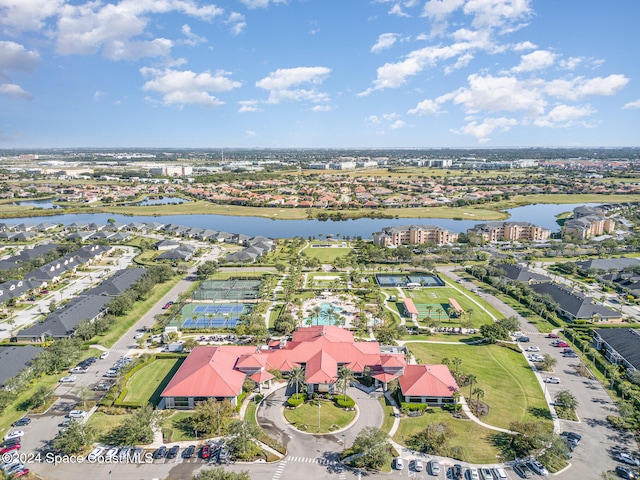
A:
[(628, 459), (532, 348), (111, 453), (473, 474), (104, 355), (500, 473), (79, 370), (77, 414), (398, 463), (552, 380), (68, 379), (12, 435), (138, 336), (95, 454)]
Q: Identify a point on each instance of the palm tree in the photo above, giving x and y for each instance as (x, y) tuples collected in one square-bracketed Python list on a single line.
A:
[(316, 313), (472, 379), (331, 315), (457, 361), (479, 393), (296, 377), (469, 312), (345, 376), (456, 397)]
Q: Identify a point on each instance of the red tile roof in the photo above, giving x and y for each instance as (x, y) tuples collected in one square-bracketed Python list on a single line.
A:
[(427, 381), (321, 368)]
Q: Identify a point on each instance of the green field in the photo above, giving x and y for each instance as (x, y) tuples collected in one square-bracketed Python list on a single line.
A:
[(510, 388), (178, 428), (306, 415), (146, 385), (471, 442), (103, 424), (326, 255)]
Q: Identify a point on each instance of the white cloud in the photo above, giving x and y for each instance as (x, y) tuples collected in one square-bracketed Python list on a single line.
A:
[(505, 93), (632, 105), (537, 60), (280, 84), (321, 108), (571, 63), (461, 62), (93, 27), (497, 13), (187, 87), (192, 39), (579, 87), (14, 56), (564, 116), (391, 121), (527, 45), (250, 133), (398, 11), (483, 130), (249, 106), (237, 23), (397, 124), (385, 41), (440, 9), (426, 107), (14, 90), (251, 4), (27, 15)]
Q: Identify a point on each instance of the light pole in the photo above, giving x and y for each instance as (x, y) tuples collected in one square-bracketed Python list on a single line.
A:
[(318, 415)]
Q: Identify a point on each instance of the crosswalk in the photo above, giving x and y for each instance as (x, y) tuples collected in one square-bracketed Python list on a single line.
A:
[(319, 461)]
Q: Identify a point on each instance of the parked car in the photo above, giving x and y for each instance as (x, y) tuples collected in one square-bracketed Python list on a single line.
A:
[(79, 370), (500, 473), (552, 380), (573, 435), (522, 470), (628, 459), (552, 335), (537, 467), (111, 454), (472, 474), (138, 336), (77, 414), (417, 465), (123, 454), (562, 344), (160, 452), (10, 448), (456, 472), (101, 387), (14, 435), (104, 355), (68, 379), (205, 452), (485, 473), (532, 348), (189, 451), (173, 451), (223, 455), (20, 473), (95, 454), (523, 339), (398, 463), (167, 305), (434, 467), (22, 422), (625, 472)]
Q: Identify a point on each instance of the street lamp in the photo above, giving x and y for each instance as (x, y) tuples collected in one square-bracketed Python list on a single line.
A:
[(318, 415)]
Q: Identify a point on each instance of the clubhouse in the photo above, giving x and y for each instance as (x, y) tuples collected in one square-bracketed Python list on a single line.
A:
[(220, 371)]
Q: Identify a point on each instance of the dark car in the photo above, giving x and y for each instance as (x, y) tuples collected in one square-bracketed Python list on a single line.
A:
[(160, 452), (625, 472), (22, 422), (173, 451), (189, 451), (456, 471), (522, 470), (523, 339)]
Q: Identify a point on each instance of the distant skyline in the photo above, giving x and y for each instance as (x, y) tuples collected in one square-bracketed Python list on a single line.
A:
[(319, 73)]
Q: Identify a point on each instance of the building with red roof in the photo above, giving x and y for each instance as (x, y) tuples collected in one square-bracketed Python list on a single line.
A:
[(220, 371), (432, 384)]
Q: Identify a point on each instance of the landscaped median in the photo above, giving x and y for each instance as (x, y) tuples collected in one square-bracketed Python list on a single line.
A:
[(320, 415)]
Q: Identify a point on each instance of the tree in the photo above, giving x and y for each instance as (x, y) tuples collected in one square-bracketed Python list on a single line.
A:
[(479, 393), (566, 399), (84, 392), (510, 324), (456, 363), (207, 269), (433, 440), (471, 379), (548, 362), (138, 429), (371, 448), (74, 439), (220, 473), (316, 313), (212, 416), (345, 377), (190, 343), (241, 439), (296, 377), (531, 437), (493, 332)]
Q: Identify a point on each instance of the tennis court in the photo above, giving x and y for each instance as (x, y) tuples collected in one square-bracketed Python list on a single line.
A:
[(426, 280), (208, 316), (419, 279), (231, 289), (434, 310)]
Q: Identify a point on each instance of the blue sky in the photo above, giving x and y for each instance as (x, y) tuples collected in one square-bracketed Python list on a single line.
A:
[(318, 73)]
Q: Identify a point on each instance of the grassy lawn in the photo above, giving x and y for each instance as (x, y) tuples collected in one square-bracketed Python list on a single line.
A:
[(19, 408), (274, 314), (177, 428), (510, 388), (472, 442), (326, 255), (103, 423), (307, 415), (387, 423), (147, 384), (125, 322)]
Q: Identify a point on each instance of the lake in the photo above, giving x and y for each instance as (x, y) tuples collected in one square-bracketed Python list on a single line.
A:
[(539, 214)]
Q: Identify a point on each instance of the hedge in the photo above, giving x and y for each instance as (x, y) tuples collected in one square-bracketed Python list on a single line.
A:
[(295, 402), (342, 403), (414, 407)]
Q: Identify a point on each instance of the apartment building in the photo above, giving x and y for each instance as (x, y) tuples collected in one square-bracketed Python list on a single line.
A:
[(414, 235)]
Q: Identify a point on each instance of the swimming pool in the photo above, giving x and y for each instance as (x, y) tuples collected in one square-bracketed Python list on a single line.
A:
[(326, 316)]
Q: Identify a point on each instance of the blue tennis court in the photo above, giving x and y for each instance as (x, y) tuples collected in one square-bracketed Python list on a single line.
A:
[(218, 309), (215, 322)]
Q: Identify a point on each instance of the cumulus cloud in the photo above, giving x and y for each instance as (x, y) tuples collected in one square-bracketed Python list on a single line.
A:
[(249, 106), (527, 45), (94, 27), (192, 39), (564, 116), (580, 87), (281, 84), (440, 9), (483, 130), (14, 90), (497, 13), (632, 105), (14, 56), (236, 23), (537, 60), (385, 41), (186, 87), (426, 107), (27, 15)]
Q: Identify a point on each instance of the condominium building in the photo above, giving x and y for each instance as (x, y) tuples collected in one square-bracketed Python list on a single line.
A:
[(587, 222), (414, 235), (510, 231)]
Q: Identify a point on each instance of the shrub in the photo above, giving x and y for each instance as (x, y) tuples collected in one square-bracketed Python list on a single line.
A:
[(342, 403), (414, 407), (295, 401)]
